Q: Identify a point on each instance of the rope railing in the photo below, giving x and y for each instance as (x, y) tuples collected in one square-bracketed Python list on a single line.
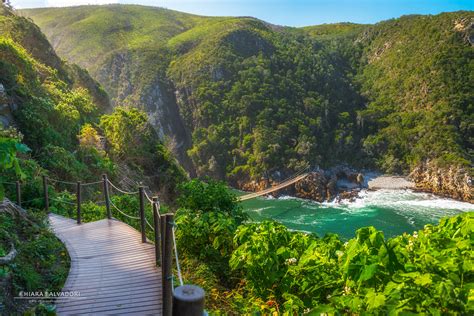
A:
[(121, 212), (61, 181), (8, 183), (120, 190), (31, 200), (91, 183), (148, 197), (178, 267), (149, 225), (62, 201)]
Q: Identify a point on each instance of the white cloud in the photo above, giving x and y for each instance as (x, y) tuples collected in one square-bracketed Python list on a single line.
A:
[(66, 3)]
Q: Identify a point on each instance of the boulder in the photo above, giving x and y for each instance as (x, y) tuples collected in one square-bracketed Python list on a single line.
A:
[(312, 187)]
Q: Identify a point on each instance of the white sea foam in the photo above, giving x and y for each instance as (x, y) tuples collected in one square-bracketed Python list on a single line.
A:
[(406, 199), (399, 200)]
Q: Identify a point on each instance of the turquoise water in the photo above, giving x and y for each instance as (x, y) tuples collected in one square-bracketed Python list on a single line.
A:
[(392, 211)]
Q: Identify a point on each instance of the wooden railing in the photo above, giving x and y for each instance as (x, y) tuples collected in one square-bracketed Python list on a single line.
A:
[(182, 300)]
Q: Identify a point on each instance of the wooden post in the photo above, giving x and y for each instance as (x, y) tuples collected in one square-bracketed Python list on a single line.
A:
[(142, 213), (106, 195), (78, 199), (45, 192), (157, 225), (167, 266), (163, 237), (188, 300), (18, 193)]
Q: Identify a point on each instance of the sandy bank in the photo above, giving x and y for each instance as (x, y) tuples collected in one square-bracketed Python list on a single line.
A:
[(390, 182)]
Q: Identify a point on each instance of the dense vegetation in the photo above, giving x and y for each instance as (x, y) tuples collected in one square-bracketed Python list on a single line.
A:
[(418, 81), (265, 268), (257, 98), (57, 121), (59, 112), (41, 263)]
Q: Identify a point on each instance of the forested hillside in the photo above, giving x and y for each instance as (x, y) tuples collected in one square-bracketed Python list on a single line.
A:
[(245, 99), (66, 120)]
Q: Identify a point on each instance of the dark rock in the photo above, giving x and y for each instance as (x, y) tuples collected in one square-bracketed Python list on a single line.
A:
[(312, 187)]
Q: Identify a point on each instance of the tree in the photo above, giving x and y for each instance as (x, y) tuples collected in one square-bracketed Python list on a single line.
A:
[(130, 136)]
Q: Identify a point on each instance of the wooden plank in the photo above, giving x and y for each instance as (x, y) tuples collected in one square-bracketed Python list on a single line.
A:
[(112, 269)]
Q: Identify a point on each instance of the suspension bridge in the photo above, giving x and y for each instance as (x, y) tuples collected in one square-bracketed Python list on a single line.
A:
[(295, 178)]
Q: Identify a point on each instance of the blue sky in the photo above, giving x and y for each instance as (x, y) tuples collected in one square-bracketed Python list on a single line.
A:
[(287, 12)]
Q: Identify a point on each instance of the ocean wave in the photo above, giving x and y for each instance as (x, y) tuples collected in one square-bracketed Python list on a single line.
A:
[(406, 199)]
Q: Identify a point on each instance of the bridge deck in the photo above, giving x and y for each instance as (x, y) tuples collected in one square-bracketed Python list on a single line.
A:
[(273, 188), (112, 269)]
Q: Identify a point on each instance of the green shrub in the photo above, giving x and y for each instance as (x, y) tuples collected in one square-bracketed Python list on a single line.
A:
[(207, 236), (210, 196)]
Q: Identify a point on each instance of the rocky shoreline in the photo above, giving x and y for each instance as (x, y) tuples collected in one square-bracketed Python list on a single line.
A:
[(345, 183), (320, 185), (453, 182)]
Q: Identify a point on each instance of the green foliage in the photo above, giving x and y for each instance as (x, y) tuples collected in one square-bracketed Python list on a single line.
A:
[(207, 220), (9, 148), (419, 90), (258, 98), (289, 272), (128, 133), (134, 141), (210, 196), (207, 236), (427, 272), (42, 262)]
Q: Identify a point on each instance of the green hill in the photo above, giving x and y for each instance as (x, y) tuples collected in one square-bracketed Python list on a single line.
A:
[(245, 99), (65, 118)]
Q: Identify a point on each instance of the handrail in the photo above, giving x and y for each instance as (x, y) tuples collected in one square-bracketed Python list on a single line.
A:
[(120, 190), (178, 267), (61, 201), (6, 182), (91, 183), (61, 181), (31, 200), (149, 225), (121, 212), (147, 197)]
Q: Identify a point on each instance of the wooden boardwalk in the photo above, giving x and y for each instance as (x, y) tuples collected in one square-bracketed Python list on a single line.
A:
[(112, 269)]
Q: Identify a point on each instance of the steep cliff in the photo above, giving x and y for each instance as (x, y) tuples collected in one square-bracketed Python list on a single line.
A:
[(451, 181)]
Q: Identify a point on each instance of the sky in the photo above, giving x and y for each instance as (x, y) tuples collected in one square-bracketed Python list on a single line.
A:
[(286, 12)]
